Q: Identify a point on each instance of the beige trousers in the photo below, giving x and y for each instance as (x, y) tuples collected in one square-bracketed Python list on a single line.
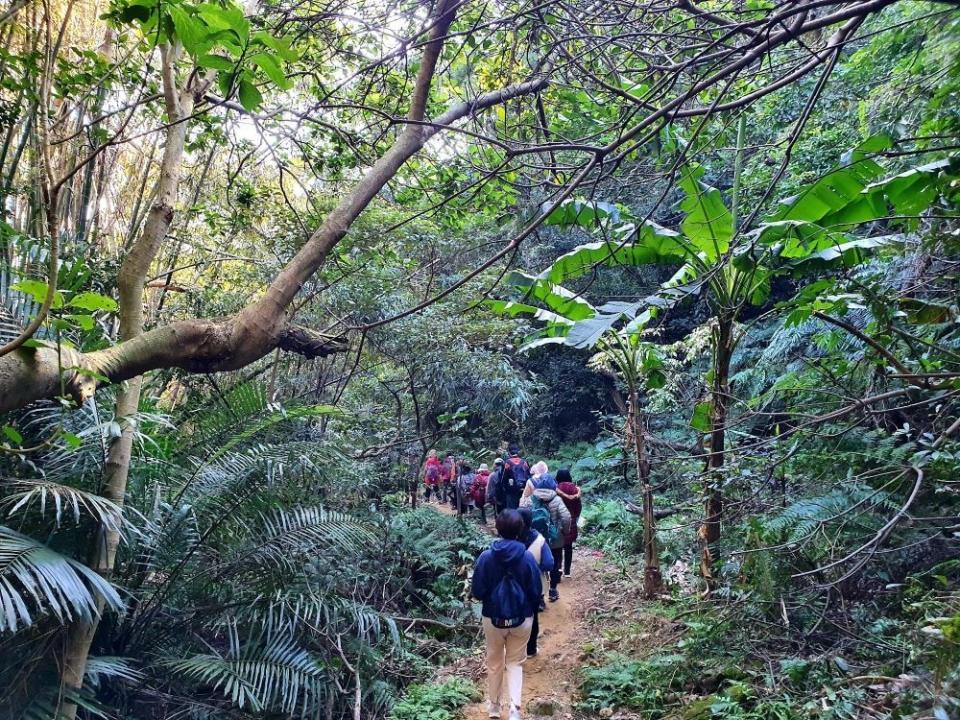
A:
[(506, 651)]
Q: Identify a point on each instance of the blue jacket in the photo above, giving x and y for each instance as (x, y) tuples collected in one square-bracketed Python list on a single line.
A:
[(546, 554), (505, 555)]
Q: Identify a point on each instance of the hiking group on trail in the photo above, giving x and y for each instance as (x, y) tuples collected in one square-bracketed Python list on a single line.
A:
[(536, 518)]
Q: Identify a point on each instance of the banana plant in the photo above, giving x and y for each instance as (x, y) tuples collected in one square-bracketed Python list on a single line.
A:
[(729, 268)]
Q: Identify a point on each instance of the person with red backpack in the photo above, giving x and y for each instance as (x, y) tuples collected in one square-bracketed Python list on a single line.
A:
[(516, 474), (431, 476), (478, 490)]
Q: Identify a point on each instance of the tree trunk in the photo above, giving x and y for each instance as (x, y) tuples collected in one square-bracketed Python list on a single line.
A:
[(652, 578), (130, 286), (713, 473)]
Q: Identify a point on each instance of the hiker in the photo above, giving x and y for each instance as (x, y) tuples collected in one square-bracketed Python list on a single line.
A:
[(552, 520), (463, 500), (494, 495), (478, 490), (539, 477), (570, 494), (431, 476), (506, 580), (448, 469), (538, 547), (516, 473)]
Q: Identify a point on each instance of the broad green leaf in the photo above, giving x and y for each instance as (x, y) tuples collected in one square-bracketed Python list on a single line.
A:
[(280, 45), (250, 97), (701, 416), (587, 214), (84, 322), (708, 223), (836, 198), (190, 32), (93, 301), (846, 254), (648, 244), (135, 11), (556, 298), (216, 62), (12, 434), (37, 289), (271, 67), (514, 309), (230, 18)]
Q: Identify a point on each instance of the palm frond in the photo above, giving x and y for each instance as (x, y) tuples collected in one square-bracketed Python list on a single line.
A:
[(279, 675), (63, 499), (291, 533), (287, 611), (33, 574)]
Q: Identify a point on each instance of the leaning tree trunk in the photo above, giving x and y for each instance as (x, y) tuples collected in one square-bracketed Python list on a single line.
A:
[(130, 285), (713, 472), (652, 578)]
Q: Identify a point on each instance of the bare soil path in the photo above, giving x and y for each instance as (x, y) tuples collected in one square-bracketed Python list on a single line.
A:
[(550, 678)]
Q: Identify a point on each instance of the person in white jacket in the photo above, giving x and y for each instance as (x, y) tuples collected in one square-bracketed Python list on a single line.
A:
[(543, 493)]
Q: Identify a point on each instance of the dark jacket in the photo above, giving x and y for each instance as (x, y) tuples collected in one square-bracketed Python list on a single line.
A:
[(546, 554), (511, 496), (491, 566), (570, 494), (493, 488)]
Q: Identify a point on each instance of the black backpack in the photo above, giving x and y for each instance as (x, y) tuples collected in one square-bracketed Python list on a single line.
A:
[(519, 473)]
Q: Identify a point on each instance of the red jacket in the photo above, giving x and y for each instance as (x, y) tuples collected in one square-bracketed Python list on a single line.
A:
[(570, 494), (478, 491), (431, 472)]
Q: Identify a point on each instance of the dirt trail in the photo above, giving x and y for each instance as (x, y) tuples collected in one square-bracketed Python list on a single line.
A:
[(549, 679)]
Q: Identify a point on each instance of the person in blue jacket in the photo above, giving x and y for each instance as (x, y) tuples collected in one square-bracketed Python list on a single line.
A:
[(506, 579), (537, 546)]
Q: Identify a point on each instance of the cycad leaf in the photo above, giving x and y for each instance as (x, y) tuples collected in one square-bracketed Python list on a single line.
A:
[(33, 574)]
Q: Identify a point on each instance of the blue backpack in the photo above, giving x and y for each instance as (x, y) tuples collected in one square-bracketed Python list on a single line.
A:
[(508, 598), (543, 521)]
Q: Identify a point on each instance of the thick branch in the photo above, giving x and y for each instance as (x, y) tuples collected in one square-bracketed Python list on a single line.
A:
[(199, 346)]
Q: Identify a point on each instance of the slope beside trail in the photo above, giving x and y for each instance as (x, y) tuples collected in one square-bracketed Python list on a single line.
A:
[(549, 679)]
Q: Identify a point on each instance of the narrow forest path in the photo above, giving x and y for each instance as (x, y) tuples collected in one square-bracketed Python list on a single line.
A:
[(550, 678)]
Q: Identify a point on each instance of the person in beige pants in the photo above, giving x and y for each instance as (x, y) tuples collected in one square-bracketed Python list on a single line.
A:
[(506, 580), (506, 651)]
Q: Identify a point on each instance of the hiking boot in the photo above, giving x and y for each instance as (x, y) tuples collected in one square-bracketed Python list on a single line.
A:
[(493, 710), (543, 605), (566, 574), (554, 594), (514, 713)]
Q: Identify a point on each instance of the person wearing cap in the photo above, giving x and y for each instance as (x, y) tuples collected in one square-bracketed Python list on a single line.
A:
[(494, 489), (478, 490)]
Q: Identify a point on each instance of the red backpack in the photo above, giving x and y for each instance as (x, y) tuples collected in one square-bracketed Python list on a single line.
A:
[(431, 474)]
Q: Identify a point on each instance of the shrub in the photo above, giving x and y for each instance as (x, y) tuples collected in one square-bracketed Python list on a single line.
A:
[(439, 701)]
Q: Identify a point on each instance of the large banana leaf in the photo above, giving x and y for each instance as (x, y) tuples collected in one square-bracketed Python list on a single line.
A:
[(707, 222), (558, 299)]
